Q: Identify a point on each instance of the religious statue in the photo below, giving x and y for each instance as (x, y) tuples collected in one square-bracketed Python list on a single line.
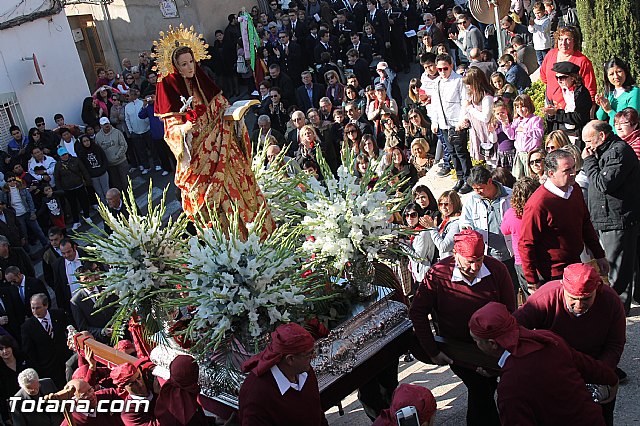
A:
[(213, 154)]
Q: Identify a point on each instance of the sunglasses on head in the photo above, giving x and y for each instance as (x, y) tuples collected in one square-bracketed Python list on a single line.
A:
[(411, 214)]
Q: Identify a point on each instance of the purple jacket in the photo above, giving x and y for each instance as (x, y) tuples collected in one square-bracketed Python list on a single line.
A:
[(530, 136)]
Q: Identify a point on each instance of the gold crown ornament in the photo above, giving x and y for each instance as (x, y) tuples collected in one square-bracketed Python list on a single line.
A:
[(174, 38)]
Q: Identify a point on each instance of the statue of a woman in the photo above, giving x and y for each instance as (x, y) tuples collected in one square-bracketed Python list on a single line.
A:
[(213, 154)]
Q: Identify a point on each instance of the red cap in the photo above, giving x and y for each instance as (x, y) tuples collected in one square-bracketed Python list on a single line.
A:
[(580, 280), (469, 243)]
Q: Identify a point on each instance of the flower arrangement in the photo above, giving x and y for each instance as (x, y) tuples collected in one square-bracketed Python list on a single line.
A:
[(348, 218), (242, 287), (143, 258)]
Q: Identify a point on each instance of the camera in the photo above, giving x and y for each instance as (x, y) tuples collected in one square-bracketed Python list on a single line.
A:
[(408, 416), (149, 98)]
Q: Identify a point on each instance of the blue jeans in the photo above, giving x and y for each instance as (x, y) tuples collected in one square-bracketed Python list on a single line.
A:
[(25, 223), (540, 54)]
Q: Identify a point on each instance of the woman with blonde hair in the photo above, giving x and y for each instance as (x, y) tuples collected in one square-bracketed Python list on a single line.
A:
[(335, 89), (556, 140), (419, 162)]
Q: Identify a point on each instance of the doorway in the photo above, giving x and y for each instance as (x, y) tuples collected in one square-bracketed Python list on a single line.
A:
[(89, 47)]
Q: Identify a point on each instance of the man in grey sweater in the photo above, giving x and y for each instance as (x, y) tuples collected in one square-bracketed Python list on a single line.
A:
[(114, 145)]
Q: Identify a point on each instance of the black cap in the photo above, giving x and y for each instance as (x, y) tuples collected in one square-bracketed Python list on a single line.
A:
[(566, 68)]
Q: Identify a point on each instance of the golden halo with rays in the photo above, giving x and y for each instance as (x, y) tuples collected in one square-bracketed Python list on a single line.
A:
[(174, 38)]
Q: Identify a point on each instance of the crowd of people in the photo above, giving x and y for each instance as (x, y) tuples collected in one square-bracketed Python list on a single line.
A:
[(549, 188)]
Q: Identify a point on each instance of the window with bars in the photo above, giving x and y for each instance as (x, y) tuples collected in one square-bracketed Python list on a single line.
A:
[(10, 114)]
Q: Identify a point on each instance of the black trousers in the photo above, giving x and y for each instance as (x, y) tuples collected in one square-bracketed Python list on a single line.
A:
[(78, 196), (481, 404), (456, 142), (376, 395)]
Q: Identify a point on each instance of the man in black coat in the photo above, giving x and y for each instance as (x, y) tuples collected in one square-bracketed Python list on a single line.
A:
[(614, 175), (358, 67), (296, 28), (11, 316), (88, 316), (303, 101), (364, 49), (14, 256), (378, 19), (65, 282), (32, 389), (25, 287), (289, 55), (284, 82), (44, 339), (51, 253), (8, 225), (324, 45), (116, 206)]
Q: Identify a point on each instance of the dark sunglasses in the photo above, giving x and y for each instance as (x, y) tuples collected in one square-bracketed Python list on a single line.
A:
[(538, 161), (39, 124), (411, 214), (442, 69), (443, 204), (350, 132), (561, 77)]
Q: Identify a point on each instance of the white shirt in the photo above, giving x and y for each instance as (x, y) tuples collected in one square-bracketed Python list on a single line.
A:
[(448, 96), (456, 275), (557, 191), (284, 384), (48, 163), (48, 318), (135, 124), (70, 146), (16, 201), (70, 269)]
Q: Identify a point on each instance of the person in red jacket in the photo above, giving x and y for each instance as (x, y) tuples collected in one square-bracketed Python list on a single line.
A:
[(453, 290), (281, 388), (556, 225), (542, 379), (585, 313)]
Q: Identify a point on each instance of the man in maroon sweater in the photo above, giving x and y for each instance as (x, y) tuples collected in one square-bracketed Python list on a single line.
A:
[(454, 289), (556, 225), (542, 379), (281, 388), (584, 312)]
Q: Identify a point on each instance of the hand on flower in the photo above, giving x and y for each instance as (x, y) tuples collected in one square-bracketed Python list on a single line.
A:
[(441, 359)]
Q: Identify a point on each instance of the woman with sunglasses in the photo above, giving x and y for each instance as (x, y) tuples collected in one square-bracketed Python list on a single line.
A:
[(126, 83), (335, 89), (576, 112), (535, 164), (442, 232), (352, 141), (620, 91), (421, 246), (556, 140)]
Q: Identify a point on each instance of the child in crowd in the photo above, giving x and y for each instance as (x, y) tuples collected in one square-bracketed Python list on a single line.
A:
[(540, 27), (526, 130), (512, 220), (504, 91), (477, 112), (552, 13), (52, 204), (514, 72), (506, 150)]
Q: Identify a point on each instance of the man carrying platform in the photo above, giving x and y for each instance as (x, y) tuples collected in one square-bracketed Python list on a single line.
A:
[(453, 290), (584, 312), (542, 379), (282, 388)]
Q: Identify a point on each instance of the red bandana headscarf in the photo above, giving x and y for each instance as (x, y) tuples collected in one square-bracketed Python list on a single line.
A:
[(287, 339), (178, 399), (580, 280), (404, 396), (123, 374), (468, 243), (493, 321)]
